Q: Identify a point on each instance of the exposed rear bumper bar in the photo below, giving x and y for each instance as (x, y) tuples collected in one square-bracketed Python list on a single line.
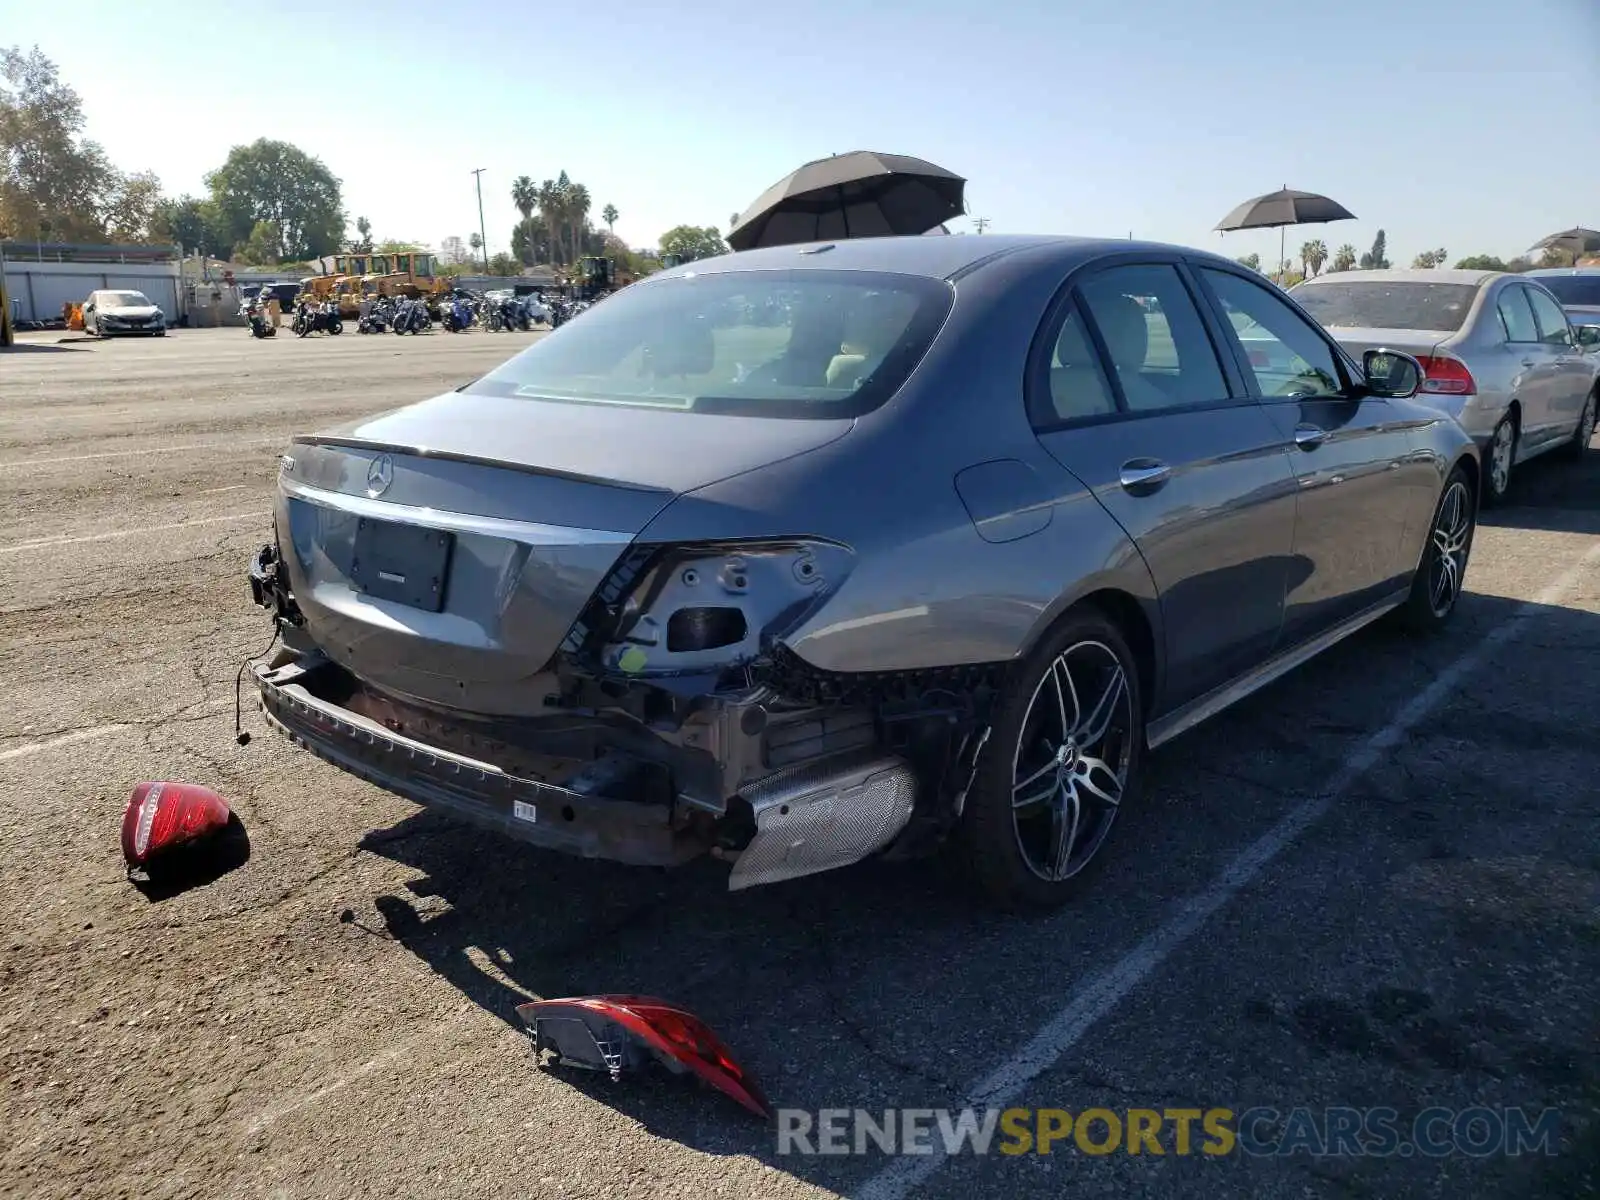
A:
[(562, 819)]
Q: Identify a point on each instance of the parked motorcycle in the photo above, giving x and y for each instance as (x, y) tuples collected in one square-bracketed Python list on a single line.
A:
[(458, 315), (312, 318), (376, 318), (410, 316), (256, 317)]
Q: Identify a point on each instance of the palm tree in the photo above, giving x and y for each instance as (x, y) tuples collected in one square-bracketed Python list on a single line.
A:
[(732, 221), (550, 207), (1344, 258), (609, 215), (578, 214), (525, 195), (1314, 254)]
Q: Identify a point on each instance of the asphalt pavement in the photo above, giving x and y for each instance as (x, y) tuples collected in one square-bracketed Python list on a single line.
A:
[(1376, 884)]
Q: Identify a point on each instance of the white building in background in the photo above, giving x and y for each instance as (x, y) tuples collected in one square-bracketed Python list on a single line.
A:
[(453, 250), (43, 277)]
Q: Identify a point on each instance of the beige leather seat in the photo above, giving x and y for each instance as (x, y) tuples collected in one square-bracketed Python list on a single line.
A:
[(1076, 387), (845, 370)]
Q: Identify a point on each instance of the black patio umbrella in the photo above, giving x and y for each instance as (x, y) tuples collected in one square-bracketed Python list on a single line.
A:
[(1573, 241), (855, 195), (1280, 209)]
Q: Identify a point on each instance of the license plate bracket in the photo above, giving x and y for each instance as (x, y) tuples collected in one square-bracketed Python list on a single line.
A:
[(407, 564)]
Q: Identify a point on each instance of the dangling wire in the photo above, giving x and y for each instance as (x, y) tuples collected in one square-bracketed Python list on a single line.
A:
[(239, 735)]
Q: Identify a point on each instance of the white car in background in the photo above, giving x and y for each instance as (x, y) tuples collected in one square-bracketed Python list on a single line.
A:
[(1497, 351), (113, 310)]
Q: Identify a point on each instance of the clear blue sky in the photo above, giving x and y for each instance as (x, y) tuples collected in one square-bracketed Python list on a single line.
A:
[(1469, 124)]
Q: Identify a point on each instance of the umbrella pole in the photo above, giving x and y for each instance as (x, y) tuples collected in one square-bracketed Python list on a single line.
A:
[(1283, 231)]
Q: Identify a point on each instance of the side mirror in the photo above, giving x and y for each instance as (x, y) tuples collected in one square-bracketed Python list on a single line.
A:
[(1587, 336), (1391, 374)]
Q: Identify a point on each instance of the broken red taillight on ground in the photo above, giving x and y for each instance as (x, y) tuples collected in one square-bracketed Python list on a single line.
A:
[(165, 818), (618, 1034)]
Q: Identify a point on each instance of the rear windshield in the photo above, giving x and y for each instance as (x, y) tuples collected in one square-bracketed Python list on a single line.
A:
[(1440, 307), (1574, 289), (806, 344)]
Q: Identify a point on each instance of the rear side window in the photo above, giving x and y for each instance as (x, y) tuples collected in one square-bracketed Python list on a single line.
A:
[(1077, 386), (1516, 316), (1156, 345), (1553, 327), (1436, 307), (794, 343)]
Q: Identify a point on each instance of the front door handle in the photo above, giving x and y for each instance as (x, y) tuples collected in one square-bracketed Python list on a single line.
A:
[(1309, 437), (1141, 476)]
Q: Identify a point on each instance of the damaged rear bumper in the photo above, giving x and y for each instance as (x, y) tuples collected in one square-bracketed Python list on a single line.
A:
[(563, 818)]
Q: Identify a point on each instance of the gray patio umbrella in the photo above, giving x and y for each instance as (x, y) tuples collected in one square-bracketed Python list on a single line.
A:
[(855, 195), (1573, 241), (1280, 209)]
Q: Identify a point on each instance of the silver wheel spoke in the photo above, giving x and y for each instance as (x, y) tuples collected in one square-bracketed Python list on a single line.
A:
[(1064, 832), (1098, 722), (1098, 777), (1039, 794), (1060, 674)]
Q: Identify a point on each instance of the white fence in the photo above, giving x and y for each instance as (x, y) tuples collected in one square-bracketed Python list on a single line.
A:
[(39, 289)]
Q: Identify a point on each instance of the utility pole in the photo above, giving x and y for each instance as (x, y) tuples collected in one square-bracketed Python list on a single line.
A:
[(483, 230), (981, 222)]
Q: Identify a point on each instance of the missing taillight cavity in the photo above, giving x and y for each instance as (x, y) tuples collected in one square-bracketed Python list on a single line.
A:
[(704, 628)]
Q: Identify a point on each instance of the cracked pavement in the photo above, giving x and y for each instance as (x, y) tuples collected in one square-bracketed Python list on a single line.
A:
[(335, 1017)]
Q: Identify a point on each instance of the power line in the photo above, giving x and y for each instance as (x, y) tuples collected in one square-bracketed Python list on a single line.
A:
[(981, 222)]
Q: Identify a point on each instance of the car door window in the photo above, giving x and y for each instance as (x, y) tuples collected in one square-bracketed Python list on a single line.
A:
[(1156, 347), (1286, 354), (1552, 318), (1516, 316), (1077, 387)]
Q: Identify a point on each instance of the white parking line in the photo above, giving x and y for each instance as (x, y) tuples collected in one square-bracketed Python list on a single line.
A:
[(1101, 994), (48, 543), (66, 739), (69, 458)]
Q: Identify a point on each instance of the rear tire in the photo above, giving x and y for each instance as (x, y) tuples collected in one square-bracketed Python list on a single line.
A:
[(1499, 460), (1065, 752), (1436, 586), (1578, 447)]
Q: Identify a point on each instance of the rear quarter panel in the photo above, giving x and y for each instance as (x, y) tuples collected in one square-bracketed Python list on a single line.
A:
[(926, 589)]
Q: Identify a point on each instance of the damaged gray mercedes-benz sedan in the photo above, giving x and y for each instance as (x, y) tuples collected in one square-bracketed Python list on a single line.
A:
[(811, 553)]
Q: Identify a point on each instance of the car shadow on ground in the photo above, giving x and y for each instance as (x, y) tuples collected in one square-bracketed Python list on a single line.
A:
[(1551, 493), (37, 348)]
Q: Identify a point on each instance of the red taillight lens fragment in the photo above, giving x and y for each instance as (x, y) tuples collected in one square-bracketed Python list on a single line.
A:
[(613, 1024), (1443, 375), (164, 816)]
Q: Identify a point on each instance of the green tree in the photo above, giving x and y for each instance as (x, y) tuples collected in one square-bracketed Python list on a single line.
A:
[(609, 215), (1253, 261), (578, 216), (1374, 260), (397, 246), (1519, 264), (49, 173), (693, 242), (189, 222), (264, 246), (1429, 259), (1481, 262), (132, 208), (530, 240), (476, 242), (1312, 255), (363, 241), (525, 195), (551, 198), (281, 184), (1557, 258), (504, 264), (1344, 258)]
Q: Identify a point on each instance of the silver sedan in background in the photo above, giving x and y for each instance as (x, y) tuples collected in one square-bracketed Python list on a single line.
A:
[(1498, 351)]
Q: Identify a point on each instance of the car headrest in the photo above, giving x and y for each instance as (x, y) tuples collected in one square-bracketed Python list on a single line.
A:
[(1122, 324)]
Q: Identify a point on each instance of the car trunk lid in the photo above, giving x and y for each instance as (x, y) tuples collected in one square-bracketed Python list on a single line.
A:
[(1417, 342), (444, 551)]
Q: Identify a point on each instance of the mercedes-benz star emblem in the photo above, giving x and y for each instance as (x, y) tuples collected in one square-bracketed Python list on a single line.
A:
[(380, 475)]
